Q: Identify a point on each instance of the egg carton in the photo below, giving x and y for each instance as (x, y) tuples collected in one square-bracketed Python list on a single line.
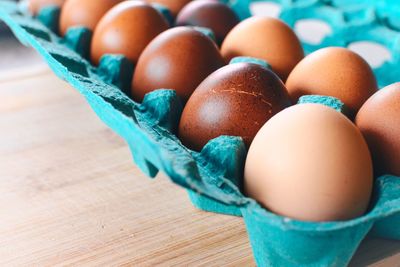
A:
[(212, 176), (351, 21)]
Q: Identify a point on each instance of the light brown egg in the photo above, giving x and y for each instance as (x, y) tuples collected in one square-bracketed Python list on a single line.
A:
[(333, 71), (85, 13), (126, 29), (264, 38), (379, 121), (310, 162), (173, 5), (35, 6)]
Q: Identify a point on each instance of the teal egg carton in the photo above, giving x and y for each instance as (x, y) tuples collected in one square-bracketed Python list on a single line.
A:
[(213, 176), (350, 21)]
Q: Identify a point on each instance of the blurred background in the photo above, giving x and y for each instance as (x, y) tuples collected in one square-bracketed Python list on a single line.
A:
[(15, 57)]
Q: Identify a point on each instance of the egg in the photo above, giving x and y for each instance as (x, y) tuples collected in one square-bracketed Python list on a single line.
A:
[(126, 29), (311, 163), (379, 121), (180, 59), (336, 72), (35, 6), (265, 38), (235, 100), (174, 6), (211, 14), (86, 13)]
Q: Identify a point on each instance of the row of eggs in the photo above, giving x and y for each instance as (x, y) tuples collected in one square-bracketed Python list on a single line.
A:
[(306, 161)]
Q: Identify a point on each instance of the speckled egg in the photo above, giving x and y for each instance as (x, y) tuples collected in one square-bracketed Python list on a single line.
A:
[(235, 100), (180, 59), (127, 29), (379, 121)]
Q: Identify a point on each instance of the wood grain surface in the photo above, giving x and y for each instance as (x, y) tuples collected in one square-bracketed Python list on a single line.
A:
[(70, 194)]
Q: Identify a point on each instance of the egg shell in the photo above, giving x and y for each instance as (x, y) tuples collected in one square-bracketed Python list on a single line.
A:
[(174, 6), (85, 13), (379, 121), (35, 6), (180, 59), (127, 29), (210, 14), (336, 72), (265, 38), (235, 100), (311, 163)]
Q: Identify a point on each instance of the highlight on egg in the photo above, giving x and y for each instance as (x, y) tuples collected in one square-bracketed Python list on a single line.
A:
[(179, 59), (126, 29), (83, 13), (310, 163), (235, 100), (333, 71), (379, 121), (265, 38)]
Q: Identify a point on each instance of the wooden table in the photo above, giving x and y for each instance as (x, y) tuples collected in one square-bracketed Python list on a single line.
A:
[(70, 194)]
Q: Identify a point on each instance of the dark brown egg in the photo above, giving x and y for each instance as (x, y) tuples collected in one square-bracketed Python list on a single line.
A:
[(173, 5), (212, 14), (85, 13), (235, 100), (379, 121), (126, 29), (35, 6), (180, 59)]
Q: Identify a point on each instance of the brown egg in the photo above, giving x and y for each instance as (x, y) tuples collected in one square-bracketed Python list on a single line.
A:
[(333, 71), (211, 14), (379, 121), (264, 38), (126, 29), (309, 162), (173, 5), (85, 13), (180, 59), (235, 100), (35, 6)]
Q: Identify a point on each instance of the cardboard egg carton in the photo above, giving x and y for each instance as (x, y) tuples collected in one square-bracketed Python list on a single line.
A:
[(213, 176), (350, 21)]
